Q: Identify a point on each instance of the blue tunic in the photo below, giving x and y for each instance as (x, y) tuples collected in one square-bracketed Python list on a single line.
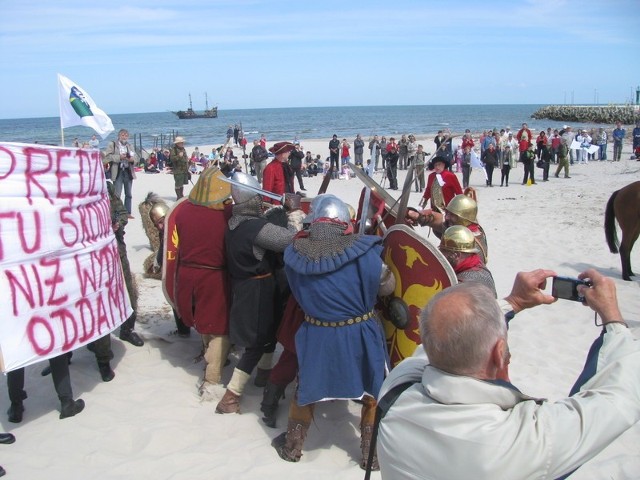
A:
[(338, 362)]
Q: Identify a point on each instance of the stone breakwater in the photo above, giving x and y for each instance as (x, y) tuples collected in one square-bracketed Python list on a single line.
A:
[(627, 114)]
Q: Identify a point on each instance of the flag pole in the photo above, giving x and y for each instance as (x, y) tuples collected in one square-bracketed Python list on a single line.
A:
[(61, 131)]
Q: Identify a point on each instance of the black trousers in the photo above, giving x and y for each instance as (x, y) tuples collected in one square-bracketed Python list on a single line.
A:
[(488, 168), (252, 355), (59, 374), (528, 171), (298, 172), (505, 174)]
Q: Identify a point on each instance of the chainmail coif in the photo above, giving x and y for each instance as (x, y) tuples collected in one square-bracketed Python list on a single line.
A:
[(244, 211), (324, 239)]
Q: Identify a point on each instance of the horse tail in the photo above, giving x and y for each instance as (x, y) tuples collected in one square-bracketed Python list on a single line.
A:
[(610, 224)]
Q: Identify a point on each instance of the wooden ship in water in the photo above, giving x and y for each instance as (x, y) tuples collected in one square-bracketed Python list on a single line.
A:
[(190, 113)]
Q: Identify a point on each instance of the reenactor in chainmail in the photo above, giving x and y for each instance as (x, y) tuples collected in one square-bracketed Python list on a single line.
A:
[(458, 245), (119, 219), (461, 210), (258, 286), (340, 345)]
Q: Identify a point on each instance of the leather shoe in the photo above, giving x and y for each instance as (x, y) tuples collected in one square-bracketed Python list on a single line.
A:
[(131, 337), (105, 372), (71, 408), (15, 412), (7, 438), (3, 472)]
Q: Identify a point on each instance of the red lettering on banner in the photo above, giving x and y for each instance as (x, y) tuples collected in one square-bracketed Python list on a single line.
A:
[(23, 287), (68, 324), (83, 305), (53, 281), (95, 220), (35, 156), (90, 173), (4, 153), (66, 217), (103, 319), (90, 312), (117, 290), (85, 223), (34, 322), (62, 173), (4, 215), (92, 161), (36, 229)]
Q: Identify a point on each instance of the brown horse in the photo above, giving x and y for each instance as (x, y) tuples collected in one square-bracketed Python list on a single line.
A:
[(624, 206)]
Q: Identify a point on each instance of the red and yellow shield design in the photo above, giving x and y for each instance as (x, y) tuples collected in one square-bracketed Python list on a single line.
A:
[(170, 253), (420, 271)]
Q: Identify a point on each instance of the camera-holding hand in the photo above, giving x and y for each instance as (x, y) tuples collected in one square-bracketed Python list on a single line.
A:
[(528, 289), (567, 288), (600, 296)]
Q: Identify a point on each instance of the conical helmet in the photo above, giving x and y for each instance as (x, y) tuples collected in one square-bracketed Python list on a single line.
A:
[(210, 190), (465, 208), (458, 239), (158, 211), (239, 194), (328, 206)]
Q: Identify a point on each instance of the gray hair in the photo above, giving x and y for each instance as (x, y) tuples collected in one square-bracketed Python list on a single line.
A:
[(460, 326)]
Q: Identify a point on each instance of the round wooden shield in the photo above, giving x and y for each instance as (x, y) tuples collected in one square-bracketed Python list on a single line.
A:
[(420, 271)]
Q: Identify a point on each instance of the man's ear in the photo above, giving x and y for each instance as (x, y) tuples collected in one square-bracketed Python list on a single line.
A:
[(500, 356)]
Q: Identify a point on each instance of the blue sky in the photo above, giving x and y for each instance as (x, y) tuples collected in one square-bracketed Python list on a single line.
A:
[(147, 55)]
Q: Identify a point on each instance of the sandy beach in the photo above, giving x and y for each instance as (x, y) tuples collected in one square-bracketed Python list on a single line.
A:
[(149, 422)]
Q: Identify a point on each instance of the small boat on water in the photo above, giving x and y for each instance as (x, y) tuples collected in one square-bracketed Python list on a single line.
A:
[(190, 113)]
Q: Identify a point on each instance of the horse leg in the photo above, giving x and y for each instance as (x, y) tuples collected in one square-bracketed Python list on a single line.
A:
[(626, 245)]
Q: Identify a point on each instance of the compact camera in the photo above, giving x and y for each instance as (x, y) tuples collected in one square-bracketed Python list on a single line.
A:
[(567, 288)]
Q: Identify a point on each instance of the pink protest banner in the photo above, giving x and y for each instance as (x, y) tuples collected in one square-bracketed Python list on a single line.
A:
[(61, 282)]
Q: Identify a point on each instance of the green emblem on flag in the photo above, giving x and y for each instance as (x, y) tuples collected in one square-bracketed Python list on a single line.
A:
[(79, 104)]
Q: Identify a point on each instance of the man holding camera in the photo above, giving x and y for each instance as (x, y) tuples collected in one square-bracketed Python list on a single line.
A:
[(120, 158), (460, 403)]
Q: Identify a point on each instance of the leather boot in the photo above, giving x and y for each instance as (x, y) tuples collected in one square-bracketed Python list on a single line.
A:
[(128, 335), (289, 444), (229, 403), (263, 370), (269, 406), (262, 376), (105, 371), (71, 408), (367, 419), (15, 412)]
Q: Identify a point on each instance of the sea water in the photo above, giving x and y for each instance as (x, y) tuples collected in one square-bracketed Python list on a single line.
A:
[(287, 124)]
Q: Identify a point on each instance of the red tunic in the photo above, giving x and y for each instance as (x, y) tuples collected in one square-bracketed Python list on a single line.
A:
[(202, 286), (450, 189), (273, 180)]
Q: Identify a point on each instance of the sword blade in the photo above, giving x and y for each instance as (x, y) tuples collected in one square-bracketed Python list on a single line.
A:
[(257, 190), (404, 198), (375, 187)]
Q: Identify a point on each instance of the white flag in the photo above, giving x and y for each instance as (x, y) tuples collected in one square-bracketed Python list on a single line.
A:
[(78, 108)]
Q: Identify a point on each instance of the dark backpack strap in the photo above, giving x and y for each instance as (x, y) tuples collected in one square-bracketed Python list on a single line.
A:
[(384, 404)]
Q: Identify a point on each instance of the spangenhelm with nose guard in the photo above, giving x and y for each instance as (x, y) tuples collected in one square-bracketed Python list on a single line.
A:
[(328, 206), (239, 194)]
